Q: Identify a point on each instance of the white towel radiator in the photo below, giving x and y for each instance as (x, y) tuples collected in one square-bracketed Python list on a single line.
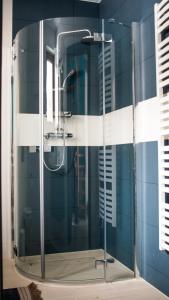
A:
[(162, 75)]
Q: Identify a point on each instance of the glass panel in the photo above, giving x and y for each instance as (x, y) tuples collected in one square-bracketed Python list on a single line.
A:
[(73, 133), (26, 151), (88, 167), (119, 154)]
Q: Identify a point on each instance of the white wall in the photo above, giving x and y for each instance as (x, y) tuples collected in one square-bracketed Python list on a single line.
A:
[(6, 126)]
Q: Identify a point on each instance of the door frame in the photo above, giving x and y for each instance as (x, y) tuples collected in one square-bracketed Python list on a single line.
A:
[(1, 262)]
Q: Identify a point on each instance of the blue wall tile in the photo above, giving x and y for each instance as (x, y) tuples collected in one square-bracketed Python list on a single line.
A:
[(28, 12), (108, 7), (143, 12), (149, 78), (158, 260), (127, 10), (123, 55), (84, 9), (130, 11), (150, 206), (147, 162), (148, 7), (139, 161), (139, 201), (124, 197), (157, 279), (120, 239), (124, 157), (150, 162), (153, 264), (148, 37), (123, 90), (125, 258)]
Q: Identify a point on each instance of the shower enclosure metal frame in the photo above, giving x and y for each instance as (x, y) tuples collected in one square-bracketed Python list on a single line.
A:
[(41, 161)]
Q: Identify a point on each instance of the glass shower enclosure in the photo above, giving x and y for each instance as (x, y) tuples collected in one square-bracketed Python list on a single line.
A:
[(73, 154)]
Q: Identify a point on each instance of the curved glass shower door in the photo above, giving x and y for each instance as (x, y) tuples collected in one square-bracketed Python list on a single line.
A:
[(26, 143), (58, 129), (119, 150), (73, 130)]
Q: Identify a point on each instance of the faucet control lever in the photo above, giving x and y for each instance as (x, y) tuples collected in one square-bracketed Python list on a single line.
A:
[(66, 114), (59, 134)]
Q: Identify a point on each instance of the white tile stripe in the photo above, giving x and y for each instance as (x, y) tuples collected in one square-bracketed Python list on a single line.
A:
[(118, 127), (147, 124), (87, 130)]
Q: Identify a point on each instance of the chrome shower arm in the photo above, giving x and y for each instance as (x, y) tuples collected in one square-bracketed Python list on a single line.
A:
[(58, 87), (65, 33)]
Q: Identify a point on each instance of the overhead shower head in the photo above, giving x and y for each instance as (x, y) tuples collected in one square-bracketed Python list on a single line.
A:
[(91, 39)]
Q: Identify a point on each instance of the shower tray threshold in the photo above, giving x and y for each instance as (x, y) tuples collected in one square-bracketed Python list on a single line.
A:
[(75, 266)]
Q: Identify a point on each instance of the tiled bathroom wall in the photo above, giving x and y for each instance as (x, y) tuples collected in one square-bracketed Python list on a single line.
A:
[(128, 11), (153, 264), (28, 12)]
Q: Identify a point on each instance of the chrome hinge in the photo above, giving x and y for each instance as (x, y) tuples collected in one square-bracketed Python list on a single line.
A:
[(104, 261), (13, 53)]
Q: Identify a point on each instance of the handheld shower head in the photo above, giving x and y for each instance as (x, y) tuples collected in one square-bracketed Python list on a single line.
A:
[(70, 74)]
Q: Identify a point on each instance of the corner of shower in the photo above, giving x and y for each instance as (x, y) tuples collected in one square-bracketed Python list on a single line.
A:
[(73, 222)]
